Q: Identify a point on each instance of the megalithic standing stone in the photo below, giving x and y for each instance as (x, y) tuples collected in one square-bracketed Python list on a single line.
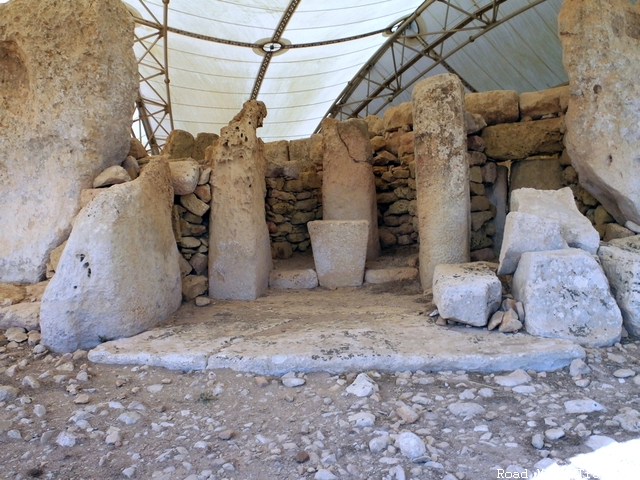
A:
[(239, 248), (442, 173), (348, 184)]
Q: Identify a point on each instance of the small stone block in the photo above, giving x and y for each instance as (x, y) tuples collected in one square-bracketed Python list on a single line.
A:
[(293, 279)]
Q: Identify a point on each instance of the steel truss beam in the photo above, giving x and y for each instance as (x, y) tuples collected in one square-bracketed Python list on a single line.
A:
[(154, 120), (401, 48)]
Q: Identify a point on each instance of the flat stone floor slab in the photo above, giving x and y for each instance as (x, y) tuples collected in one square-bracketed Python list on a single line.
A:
[(376, 327)]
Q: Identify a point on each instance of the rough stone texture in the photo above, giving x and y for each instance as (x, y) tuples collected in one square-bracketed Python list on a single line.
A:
[(560, 206), (525, 232), (468, 293), (239, 248), (179, 144), (566, 295), (193, 285), (551, 101), (203, 141), (386, 275), (516, 141), (11, 294), (539, 173), (113, 175), (620, 261), (69, 80), (397, 117), (498, 195), (119, 273), (136, 149), (348, 186), (442, 173), (293, 279), (25, 315), (601, 54), (184, 176), (496, 106), (339, 251)]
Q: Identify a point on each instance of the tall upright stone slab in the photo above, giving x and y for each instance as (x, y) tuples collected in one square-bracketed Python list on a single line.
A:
[(119, 273), (348, 184), (68, 80), (442, 173), (239, 248), (601, 54)]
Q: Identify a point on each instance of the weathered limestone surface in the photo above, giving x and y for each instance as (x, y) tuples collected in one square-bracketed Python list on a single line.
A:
[(119, 273), (498, 196), (69, 80), (546, 102), (566, 295), (25, 315), (184, 176), (348, 185), (468, 293), (601, 54), (293, 279), (620, 261), (239, 248), (543, 173), (339, 251), (442, 173), (560, 206), (525, 232), (516, 141), (179, 144), (496, 106), (386, 275)]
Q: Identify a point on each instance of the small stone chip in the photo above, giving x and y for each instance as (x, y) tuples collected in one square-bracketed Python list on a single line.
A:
[(301, 456), (81, 399), (261, 382), (227, 434)]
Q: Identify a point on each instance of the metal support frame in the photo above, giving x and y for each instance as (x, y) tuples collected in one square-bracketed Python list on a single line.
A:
[(155, 121), (404, 55)]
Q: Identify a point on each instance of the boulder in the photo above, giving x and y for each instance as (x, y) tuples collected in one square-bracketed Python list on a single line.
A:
[(442, 173), (184, 176), (119, 273), (193, 286), (202, 142), (348, 184), (517, 141), (495, 106), (542, 173), (25, 315), (113, 175), (179, 144), (551, 101), (136, 149), (560, 206), (132, 167), (566, 295), (293, 279), (69, 83), (525, 232), (467, 293), (620, 261), (339, 251), (397, 117), (239, 247), (602, 60)]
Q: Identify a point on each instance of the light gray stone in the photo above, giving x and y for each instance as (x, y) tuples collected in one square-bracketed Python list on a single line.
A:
[(566, 295), (411, 445), (515, 378), (362, 386), (339, 251), (525, 232), (578, 367), (293, 279), (629, 420), (8, 393), (348, 184), (620, 260), (596, 442), (442, 173), (363, 419), (65, 112), (585, 405), (386, 275), (26, 315), (113, 175), (184, 176), (466, 409), (104, 287), (468, 293), (239, 247), (560, 206)]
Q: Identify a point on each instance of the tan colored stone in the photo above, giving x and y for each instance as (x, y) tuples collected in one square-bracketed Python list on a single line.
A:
[(239, 246), (516, 141), (442, 173), (602, 59), (613, 231), (348, 185), (179, 144), (543, 174), (194, 204), (495, 106), (315, 149), (551, 101), (65, 112), (184, 176), (375, 125), (397, 117), (203, 192), (378, 143), (203, 141), (473, 122), (136, 149), (88, 194), (35, 291), (193, 286), (11, 294), (299, 152), (386, 275), (54, 258), (113, 175), (407, 146), (132, 167)]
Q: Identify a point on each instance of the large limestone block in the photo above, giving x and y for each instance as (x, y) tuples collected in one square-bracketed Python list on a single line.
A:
[(468, 293), (495, 106), (546, 102), (560, 206), (339, 251), (542, 173), (119, 273), (601, 54), (293, 279), (68, 84), (179, 144), (620, 261), (398, 116), (239, 247), (184, 176), (203, 141), (348, 183), (566, 295), (442, 173), (516, 141), (525, 232)]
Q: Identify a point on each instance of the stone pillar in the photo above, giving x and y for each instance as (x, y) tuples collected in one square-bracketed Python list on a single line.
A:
[(348, 186), (442, 173), (239, 248), (68, 81), (601, 55)]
